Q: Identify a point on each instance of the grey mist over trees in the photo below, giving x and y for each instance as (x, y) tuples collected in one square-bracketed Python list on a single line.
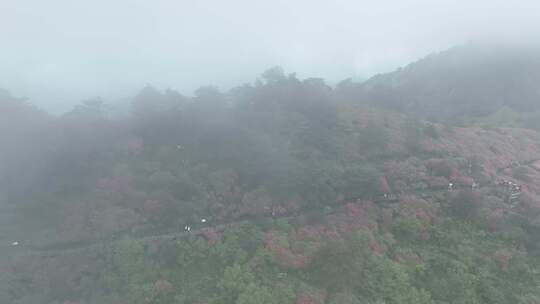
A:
[(285, 190), (60, 52), (269, 152)]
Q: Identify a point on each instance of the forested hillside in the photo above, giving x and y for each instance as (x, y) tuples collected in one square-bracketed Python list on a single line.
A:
[(281, 191), (464, 83)]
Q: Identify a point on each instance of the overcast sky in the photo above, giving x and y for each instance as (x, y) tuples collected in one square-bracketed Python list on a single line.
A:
[(58, 52)]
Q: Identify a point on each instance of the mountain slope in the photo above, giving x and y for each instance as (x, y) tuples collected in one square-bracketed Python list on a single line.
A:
[(469, 80), (278, 192)]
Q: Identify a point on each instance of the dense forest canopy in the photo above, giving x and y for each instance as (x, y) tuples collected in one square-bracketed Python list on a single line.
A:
[(285, 190)]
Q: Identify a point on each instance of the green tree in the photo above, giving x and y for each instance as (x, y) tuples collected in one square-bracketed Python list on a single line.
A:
[(236, 279), (256, 294), (340, 265)]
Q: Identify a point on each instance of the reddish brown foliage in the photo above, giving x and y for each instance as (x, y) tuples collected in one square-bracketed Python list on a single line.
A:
[(503, 258), (419, 208), (151, 206), (284, 255), (211, 235), (354, 210), (163, 286), (114, 184), (494, 219), (304, 299), (383, 185), (377, 248)]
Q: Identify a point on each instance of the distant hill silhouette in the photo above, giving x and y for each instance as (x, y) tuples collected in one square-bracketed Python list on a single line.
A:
[(466, 81)]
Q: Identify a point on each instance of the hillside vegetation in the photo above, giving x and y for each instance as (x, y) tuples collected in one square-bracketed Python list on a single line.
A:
[(463, 83), (283, 191)]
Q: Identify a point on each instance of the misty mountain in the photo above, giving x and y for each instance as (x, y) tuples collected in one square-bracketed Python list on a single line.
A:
[(285, 190), (472, 80)]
